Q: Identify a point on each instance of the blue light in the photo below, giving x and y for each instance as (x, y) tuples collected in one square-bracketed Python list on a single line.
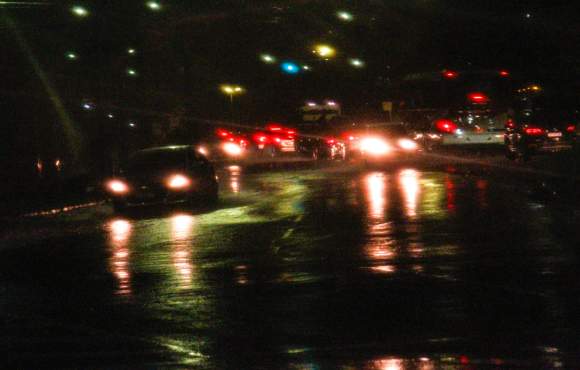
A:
[(290, 68)]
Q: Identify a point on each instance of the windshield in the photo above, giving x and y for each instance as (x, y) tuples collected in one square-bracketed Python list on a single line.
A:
[(152, 161)]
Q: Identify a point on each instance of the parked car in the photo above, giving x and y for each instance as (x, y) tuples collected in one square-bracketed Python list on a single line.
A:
[(170, 174)]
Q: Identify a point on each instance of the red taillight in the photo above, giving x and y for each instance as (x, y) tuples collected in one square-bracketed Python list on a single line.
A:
[(571, 128), (510, 123), (534, 131), (273, 127), (445, 125), (450, 74), (504, 73), (478, 98), (222, 133), (330, 141)]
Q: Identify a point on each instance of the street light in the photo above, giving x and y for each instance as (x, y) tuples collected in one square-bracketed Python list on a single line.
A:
[(131, 72), (231, 91), (131, 51), (267, 58), (79, 11), (344, 16), (324, 51), (154, 5), (357, 63), (290, 68), (71, 56)]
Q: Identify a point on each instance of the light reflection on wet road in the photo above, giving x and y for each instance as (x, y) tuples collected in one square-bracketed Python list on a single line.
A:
[(352, 269)]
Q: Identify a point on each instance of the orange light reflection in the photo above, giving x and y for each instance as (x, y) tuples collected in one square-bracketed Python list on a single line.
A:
[(119, 262), (181, 230), (409, 184)]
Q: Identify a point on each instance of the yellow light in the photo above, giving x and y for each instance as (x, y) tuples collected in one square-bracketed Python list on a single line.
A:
[(231, 89), (117, 186), (178, 182), (324, 51)]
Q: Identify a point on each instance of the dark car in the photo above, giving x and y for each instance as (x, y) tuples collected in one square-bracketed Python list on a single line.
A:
[(539, 130), (164, 175)]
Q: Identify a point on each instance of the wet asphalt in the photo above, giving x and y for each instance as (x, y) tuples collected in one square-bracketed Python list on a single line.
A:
[(398, 266)]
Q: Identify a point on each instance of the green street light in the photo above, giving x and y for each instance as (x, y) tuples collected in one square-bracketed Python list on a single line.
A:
[(267, 58), (154, 5), (357, 63), (79, 11), (344, 16)]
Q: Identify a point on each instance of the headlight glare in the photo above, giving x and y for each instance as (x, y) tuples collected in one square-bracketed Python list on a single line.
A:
[(178, 182), (117, 187)]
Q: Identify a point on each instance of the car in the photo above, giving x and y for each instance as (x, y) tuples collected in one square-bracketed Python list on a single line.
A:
[(539, 131), (275, 140), (455, 109), (380, 141), (164, 175)]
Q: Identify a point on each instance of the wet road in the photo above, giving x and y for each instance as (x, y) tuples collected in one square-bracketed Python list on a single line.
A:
[(398, 267)]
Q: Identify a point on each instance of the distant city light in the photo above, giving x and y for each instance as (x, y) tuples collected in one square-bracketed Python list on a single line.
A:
[(331, 103), (154, 5), (306, 67), (357, 63), (132, 124), (87, 106), (311, 104), (528, 15), (131, 51), (345, 16), (79, 11), (267, 58), (290, 68), (110, 115), (131, 72), (71, 56), (324, 51)]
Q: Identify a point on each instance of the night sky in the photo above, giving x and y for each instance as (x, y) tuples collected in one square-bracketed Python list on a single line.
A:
[(184, 50)]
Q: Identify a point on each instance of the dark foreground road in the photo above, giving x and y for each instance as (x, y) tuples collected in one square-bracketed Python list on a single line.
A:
[(396, 267)]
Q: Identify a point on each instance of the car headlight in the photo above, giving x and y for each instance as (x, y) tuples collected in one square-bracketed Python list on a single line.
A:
[(117, 187), (374, 146), (407, 144), (232, 149), (178, 182)]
